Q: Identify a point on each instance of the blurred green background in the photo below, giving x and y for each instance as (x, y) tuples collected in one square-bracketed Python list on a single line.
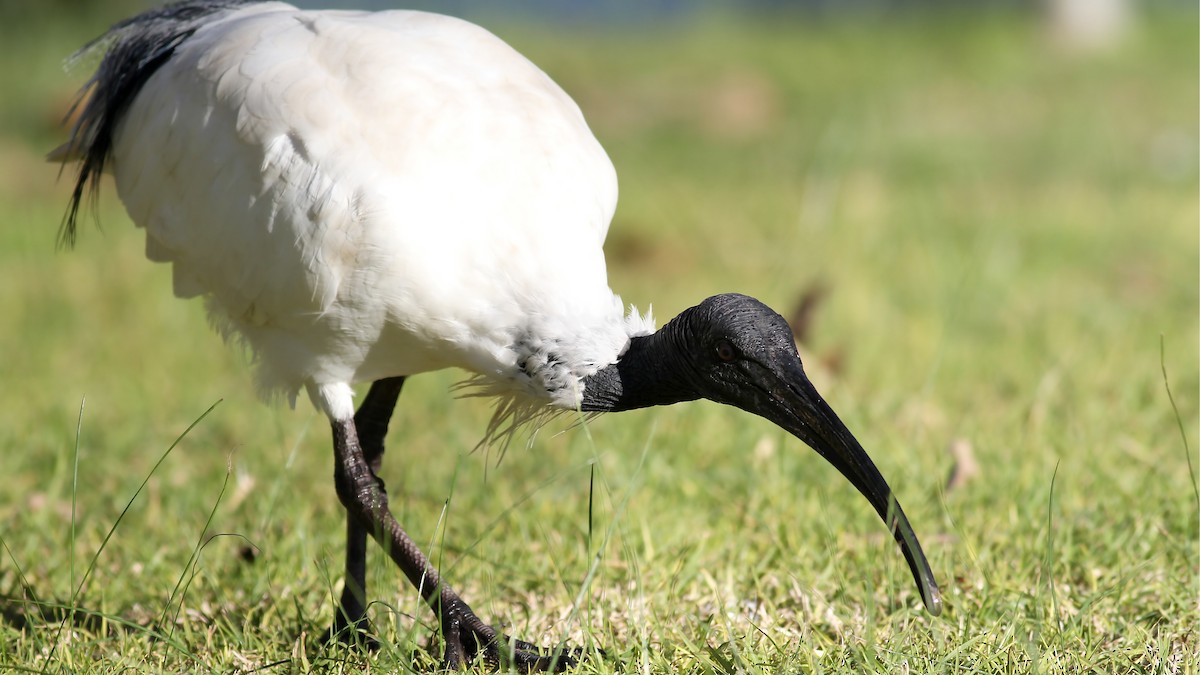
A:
[(993, 219)]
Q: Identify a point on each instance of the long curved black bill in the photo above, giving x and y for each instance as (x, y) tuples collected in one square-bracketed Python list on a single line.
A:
[(795, 405)]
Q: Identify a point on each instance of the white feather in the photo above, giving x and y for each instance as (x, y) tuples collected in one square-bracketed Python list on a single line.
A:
[(363, 195)]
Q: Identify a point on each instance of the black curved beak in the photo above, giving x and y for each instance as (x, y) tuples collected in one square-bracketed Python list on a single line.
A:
[(794, 404)]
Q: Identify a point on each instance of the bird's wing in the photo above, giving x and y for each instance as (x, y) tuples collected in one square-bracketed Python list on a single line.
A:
[(299, 166)]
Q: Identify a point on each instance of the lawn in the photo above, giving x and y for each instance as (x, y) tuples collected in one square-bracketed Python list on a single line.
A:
[(1004, 240)]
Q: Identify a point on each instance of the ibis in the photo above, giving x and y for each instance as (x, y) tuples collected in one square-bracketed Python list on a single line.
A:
[(366, 196)]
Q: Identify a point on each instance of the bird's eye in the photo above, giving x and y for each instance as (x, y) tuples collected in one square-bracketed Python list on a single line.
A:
[(725, 351)]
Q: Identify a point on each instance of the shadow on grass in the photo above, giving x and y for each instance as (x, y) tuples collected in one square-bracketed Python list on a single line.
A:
[(26, 613), (47, 621)]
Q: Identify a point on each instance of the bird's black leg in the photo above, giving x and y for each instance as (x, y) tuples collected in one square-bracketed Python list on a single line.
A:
[(350, 622), (467, 637)]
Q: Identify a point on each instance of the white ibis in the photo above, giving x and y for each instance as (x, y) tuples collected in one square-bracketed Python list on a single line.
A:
[(368, 196)]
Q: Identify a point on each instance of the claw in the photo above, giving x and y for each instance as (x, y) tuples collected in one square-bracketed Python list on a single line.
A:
[(465, 646), (532, 658)]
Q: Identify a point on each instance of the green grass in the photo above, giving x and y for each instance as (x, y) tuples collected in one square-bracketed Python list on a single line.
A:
[(1008, 234)]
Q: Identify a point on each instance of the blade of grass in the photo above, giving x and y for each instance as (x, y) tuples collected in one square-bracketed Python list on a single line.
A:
[(112, 530), (132, 626), (1048, 560), (619, 507), (1187, 452), (29, 596), (189, 570), (437, 544), (75, 486)]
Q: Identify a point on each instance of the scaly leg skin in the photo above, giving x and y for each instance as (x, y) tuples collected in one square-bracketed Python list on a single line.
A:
[(350, 625), (467, 637)]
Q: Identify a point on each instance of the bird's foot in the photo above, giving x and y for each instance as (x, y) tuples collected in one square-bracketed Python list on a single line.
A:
[(466, 645)]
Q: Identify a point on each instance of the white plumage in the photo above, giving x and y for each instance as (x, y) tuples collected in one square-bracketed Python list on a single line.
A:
[(355, 208)]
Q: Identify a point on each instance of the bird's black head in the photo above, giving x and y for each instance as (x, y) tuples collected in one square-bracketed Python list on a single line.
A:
[(735, 350), (731, 344)]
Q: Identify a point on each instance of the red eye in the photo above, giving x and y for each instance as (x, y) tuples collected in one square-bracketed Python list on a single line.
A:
[(725, 351)]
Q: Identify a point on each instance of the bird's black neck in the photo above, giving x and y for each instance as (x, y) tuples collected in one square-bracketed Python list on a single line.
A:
[(652, 371)]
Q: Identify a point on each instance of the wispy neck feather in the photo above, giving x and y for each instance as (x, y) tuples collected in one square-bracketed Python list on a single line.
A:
[(550, 372), (652, 371)]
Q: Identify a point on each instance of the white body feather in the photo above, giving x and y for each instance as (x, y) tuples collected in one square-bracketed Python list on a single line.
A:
[(363, 195)]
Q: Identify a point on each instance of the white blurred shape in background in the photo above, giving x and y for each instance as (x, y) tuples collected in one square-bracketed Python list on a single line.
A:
[(1089, 25)]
